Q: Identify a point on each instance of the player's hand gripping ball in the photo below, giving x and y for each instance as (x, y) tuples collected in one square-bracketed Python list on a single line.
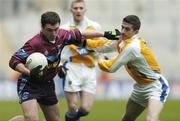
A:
[(37, 64), (36, 59)]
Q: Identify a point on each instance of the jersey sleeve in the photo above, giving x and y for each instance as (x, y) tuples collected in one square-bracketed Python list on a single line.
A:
[(113, 64), (95, 43), (110, 46), (20, 55), (73, 37)]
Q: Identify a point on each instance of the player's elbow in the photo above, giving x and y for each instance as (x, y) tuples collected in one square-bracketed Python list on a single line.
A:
[(114, 68), (12, 64)]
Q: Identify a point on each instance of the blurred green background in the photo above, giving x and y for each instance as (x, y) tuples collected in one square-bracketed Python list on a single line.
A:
[(103, 110)]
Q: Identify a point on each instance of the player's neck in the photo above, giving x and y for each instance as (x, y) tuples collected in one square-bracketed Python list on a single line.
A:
[(78, 22)]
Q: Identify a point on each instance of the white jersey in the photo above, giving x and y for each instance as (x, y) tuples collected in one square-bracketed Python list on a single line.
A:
[(137, 58), (84, 25), (141, 66), (72, 51), (81, 73)]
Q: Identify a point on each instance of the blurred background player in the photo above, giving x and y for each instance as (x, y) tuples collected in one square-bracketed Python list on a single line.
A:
[(151, 88), (80, 79)]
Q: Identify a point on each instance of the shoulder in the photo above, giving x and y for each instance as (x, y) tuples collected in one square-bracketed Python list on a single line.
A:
[(136, 42), (67, 33), (97, 25), (94, 24), (35, 40), (62, 31), (136, 45)]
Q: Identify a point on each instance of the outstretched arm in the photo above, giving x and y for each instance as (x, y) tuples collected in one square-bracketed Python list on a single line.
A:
[(113, 64), (113, 35), (92, 34)]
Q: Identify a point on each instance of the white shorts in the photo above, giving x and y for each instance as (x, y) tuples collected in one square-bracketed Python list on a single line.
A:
[(80, 78), (158, 90)]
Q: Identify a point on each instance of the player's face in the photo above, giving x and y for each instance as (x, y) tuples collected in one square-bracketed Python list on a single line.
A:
[(127, 31), (78, 10), (50, 31)]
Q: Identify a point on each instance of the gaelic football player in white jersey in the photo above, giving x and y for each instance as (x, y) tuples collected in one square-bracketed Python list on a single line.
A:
[(151, 88)]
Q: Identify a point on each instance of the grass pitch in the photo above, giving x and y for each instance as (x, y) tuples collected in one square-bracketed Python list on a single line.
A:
[(103, 110)]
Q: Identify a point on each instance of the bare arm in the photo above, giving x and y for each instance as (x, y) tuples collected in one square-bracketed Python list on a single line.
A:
[(22, 69), (112, 35), (92, 34)]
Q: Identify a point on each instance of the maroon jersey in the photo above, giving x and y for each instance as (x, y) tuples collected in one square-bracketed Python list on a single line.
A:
[(52, 51)]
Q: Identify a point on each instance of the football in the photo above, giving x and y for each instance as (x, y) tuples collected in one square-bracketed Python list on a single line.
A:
[(35, 59)]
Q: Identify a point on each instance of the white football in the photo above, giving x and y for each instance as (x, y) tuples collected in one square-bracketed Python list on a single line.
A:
[(36, 59)]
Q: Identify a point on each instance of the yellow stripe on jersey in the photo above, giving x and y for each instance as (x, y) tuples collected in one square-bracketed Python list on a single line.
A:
[(90, 28), (149, 56), (142, 78), (137, 76), (126, 43), (140, 65), (93, 43), (87, 28), (89, 59), (72, 27), (105, 65)]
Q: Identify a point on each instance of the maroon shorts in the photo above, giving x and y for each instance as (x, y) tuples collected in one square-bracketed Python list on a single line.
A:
[(44, 93)]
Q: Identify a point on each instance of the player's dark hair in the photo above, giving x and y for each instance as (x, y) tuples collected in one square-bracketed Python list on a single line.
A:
[(134, 20), (50, 18)]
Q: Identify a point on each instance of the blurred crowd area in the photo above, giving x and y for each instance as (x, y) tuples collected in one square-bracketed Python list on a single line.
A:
[(20, 20)]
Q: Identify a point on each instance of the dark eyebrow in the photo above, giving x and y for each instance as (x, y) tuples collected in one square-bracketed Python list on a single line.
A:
[(52, 29)]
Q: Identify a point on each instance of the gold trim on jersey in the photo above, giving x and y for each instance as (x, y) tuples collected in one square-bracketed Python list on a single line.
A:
[(94, 43), (149, 56), (105, 65), (89, 59), (72, 27), (137, 76)]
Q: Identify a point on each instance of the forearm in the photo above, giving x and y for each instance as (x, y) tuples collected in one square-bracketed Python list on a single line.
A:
[(92, 34), (22, 69), (113, 64)]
